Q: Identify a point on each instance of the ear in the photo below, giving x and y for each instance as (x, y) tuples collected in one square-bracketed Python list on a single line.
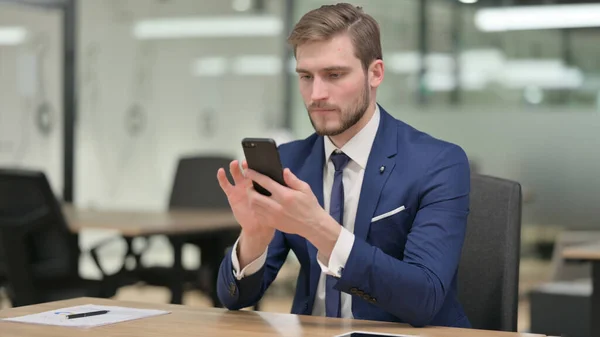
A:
[(376, 72)]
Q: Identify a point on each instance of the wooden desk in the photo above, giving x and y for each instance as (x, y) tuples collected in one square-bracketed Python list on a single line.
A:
[(177, 225), (589, 253), (184, 321), (585, 252)]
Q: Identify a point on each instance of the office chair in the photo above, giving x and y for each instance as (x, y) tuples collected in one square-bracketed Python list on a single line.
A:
[(3, 281), (41, 255), (196, 187), (488, 275)]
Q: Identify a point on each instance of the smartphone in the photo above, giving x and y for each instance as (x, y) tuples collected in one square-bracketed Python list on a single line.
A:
[(263, 157)]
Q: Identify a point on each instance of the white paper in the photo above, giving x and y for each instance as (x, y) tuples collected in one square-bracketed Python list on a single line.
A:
[(114, 315)]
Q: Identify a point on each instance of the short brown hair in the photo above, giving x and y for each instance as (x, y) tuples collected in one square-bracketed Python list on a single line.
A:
[(324, 23)]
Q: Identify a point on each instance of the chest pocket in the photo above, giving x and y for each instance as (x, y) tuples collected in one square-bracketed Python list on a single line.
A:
[(389, 229)]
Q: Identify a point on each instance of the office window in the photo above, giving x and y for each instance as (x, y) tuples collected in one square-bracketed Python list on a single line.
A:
[(164, 79), (31, 112)]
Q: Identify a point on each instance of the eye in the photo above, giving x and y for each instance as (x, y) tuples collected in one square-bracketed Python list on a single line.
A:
[(335, 75), (305, 77)]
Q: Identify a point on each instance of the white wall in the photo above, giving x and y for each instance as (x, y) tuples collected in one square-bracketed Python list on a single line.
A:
[(30, 74), (552, 150), (118, 169)]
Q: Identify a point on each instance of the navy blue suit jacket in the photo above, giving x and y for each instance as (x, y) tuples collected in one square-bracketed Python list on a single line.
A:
[(402, 268)]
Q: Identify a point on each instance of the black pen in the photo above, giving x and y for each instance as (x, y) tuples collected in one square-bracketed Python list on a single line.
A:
[(87, 314)]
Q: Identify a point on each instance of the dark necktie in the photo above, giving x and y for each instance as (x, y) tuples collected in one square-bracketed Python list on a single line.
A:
[(336, 210)]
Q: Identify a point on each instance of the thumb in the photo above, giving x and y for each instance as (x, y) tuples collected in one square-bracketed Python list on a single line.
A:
[(292, 181)]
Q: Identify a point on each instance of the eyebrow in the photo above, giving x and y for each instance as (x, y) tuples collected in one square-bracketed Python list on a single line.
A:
[(333, 68)]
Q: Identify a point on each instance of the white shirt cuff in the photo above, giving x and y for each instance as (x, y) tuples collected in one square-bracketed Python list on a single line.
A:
[(339, 254), (251, 268)]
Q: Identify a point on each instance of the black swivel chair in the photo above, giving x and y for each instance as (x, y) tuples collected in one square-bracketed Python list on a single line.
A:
[(41, 255), (196, 186), (2, 278), (488, 276)]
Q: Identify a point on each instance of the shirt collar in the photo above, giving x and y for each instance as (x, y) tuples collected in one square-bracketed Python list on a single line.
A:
[(359, 146)]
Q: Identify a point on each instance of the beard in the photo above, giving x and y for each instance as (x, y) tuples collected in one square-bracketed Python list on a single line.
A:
[(348, 117)]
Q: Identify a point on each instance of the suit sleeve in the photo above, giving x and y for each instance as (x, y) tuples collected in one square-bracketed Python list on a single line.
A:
[(415, 287), (237, 294)]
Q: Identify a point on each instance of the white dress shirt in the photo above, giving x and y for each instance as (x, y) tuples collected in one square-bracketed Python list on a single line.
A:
[(358, 149)]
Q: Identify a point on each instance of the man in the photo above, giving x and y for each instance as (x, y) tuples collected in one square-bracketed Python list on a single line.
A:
[(400, 195)]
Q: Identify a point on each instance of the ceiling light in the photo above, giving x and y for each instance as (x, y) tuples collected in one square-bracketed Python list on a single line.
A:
[(538, 17), (261, 65), (234, 26), (242, 5), (210, 66), (545, 74), (10, 36)]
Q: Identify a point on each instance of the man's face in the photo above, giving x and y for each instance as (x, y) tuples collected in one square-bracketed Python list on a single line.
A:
[(333, 84)]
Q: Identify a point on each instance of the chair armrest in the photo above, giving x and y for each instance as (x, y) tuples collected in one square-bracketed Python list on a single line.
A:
[(94, 253)]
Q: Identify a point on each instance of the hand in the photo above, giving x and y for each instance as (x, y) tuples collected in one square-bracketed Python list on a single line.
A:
[(293, 209), (237, 195)]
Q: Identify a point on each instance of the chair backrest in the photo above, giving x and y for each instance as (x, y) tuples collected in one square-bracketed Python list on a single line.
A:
[(37, 246), (488, 275), (196, 185)]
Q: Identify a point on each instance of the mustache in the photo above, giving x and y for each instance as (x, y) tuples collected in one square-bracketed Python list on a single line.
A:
[(322, 106)]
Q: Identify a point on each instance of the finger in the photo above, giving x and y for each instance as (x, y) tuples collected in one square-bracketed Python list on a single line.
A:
[(223, 181), (236, 172), (247, 181), (269, 184), (293, 182)]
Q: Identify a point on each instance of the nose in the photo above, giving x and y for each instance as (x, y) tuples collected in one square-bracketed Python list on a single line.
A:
[(319, 90)]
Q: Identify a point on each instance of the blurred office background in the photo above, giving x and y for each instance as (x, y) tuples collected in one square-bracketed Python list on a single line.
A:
[(156, 80)]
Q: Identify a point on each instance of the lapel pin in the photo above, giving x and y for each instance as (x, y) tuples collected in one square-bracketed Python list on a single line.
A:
[(381, 169)]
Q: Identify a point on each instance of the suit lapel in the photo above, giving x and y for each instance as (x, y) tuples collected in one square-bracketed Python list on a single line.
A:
[(312, 173), (380, 165)]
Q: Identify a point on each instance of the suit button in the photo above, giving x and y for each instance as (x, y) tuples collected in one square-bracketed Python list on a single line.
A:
[(366, 297), (360, 293), (353, 290), (373, 300)]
